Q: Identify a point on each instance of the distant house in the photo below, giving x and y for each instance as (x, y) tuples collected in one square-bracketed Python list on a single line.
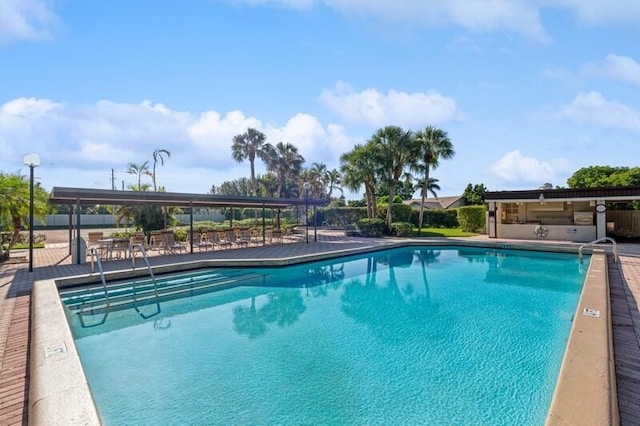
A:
[(443, 203)]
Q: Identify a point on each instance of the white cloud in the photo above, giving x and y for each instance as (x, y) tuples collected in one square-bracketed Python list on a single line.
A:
[(516, 16), (80, 144), (26, 20), (28, 107), (212, 134), (518, 169), (622, 68), (599, 12), (398, 108), (592, 107)]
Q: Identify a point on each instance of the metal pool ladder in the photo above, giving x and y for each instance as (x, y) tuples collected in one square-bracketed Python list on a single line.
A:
[(95, 254), (600, 240), (140, 246)]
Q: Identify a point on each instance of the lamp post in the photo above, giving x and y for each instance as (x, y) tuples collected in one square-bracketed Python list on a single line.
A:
[(33, 161), (306, 186)]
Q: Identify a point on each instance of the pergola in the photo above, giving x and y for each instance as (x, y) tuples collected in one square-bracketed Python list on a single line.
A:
[(76, 197)]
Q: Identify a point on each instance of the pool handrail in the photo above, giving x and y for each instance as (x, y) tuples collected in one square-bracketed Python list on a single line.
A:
[(600, 240), (96, 254), (140, 247)]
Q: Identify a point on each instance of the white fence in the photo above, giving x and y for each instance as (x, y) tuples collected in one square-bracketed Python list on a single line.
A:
[(109, 220)]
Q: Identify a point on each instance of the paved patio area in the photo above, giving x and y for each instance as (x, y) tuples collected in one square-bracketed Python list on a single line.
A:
[(54, 261)]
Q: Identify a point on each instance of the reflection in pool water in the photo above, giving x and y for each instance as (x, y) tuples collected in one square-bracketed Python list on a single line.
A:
[(412, 336)]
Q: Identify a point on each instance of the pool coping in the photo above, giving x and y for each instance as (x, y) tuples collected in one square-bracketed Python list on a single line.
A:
[(59, 391), (588, 367)]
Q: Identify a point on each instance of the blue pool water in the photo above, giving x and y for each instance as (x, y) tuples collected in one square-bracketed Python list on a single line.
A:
[(419, 335)]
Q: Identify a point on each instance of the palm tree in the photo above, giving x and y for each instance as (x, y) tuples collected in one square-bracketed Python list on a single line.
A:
[(318, 173), (158, 156), (358, 168), (248, 146), (284, 161), (139, 170), (334, 182), (433, 144), (433, 186), (395, 150), (15, 203)]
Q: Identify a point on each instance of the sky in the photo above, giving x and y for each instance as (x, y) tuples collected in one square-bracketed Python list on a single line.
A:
[(528, 91)]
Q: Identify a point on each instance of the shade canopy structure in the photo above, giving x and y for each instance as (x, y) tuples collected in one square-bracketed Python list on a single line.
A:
[(91, 196)]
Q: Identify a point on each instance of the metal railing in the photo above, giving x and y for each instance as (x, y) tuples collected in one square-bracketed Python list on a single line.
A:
[(132, 249), (600, 240), (95, 254)]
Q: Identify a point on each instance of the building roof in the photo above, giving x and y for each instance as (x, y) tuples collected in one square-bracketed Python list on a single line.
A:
[(90, 196), (434, 203), (620, 193)]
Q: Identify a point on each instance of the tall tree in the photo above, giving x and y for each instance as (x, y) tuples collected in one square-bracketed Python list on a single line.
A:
[(139, 170), (474, 194), (248, 146), (284, 161), (319, 173), (433, 144), (158, 157), (604, 176), (395, 151), (358, 168), (334, 182)]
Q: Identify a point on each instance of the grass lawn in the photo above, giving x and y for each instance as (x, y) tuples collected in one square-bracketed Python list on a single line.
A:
[(442, 232), (26, 246)]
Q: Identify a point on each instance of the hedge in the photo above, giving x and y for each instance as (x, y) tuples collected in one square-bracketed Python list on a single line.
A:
[(471, 218), (371, 227), (402, 229)]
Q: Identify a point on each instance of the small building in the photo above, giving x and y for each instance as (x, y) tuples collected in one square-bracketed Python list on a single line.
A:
[(443, 203), (577, 215)]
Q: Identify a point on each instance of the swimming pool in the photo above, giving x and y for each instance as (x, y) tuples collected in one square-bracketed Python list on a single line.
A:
[(411, 335)]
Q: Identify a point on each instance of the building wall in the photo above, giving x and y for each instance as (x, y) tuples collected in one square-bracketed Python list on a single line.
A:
[(571, 233)]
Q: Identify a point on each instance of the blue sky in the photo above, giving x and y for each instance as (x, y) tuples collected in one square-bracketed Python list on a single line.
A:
[(528, 91)]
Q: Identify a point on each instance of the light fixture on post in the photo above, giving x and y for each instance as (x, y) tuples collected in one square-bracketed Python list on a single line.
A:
[(541, 198), (33, 161), (306, 186)]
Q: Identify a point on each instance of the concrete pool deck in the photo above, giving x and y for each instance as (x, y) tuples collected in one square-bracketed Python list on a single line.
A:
[(53, 262)]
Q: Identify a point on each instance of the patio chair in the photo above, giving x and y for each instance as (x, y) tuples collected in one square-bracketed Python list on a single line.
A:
[(220, 239), (120, 248), (95, 241), (256, 236), (155, 240), (136, 241), (205, 242), (275, 236), (169, 243), (237, 238)]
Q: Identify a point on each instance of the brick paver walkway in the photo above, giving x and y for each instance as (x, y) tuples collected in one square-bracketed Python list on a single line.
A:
[(54, 261)]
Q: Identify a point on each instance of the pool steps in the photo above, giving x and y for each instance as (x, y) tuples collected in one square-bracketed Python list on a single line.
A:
[(125, 295)]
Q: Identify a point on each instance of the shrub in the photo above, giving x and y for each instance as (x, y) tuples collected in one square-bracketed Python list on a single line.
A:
[(371, 227), (181, 233), (471, 218), (402, 229), (399, 212), (439, 218)]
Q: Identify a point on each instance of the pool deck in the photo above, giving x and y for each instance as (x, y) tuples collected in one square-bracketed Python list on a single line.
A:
[(54, 261)]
